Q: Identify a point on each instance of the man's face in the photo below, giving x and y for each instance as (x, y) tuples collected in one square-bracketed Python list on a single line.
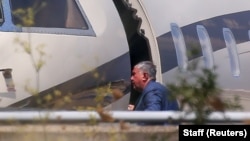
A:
[(137, 79)]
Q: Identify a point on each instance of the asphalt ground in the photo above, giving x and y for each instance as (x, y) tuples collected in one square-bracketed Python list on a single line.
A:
[(82, 132)]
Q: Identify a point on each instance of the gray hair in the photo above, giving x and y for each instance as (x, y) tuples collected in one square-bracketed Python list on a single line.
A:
[(147, 67)]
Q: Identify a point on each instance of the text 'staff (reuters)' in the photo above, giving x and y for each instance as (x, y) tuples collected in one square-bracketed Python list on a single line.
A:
[(214, 132)]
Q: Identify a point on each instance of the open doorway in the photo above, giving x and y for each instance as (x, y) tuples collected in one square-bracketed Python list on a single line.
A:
[(138, 45)]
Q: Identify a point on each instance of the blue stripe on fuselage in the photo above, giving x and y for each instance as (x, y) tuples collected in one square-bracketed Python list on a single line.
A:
[(239, 23)]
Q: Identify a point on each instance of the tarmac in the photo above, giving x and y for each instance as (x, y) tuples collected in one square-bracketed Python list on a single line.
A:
[(82, 132)]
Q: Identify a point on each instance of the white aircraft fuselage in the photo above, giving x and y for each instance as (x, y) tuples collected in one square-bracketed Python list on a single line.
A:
[(74, 45)]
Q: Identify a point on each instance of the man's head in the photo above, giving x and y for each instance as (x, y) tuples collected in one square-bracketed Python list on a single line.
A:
[(142, 73)]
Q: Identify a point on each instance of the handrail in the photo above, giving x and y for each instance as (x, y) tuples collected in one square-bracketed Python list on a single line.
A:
[(84, 116)]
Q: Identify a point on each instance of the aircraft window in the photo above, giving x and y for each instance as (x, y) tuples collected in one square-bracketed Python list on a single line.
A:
[(50, 16), (47, 13), (180, 46), (232, 51), (206, 46)]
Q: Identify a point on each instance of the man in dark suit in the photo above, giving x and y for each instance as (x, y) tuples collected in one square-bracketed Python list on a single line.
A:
[(153, 95)]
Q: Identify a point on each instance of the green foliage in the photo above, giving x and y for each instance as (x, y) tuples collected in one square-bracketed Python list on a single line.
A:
[(56, 99)]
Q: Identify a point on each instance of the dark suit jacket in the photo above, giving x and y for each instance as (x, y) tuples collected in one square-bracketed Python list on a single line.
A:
[(156, 97)]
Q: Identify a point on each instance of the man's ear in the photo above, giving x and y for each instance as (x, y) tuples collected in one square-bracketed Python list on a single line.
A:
[(145, 76)]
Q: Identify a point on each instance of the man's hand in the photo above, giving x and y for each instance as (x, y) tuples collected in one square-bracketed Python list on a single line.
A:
[(131, 107)]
